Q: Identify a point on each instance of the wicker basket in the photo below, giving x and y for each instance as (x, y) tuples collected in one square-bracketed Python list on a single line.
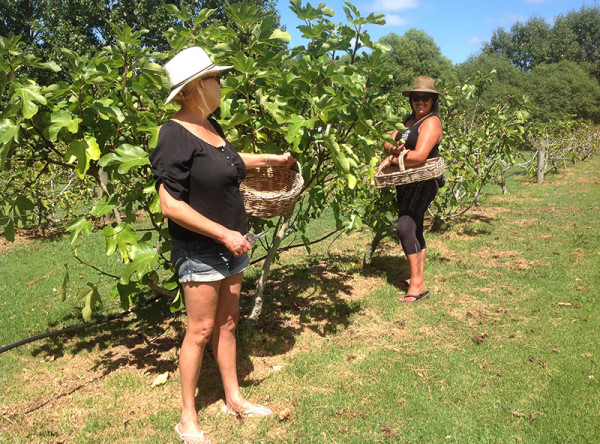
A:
[(392, 176), (271, 191)]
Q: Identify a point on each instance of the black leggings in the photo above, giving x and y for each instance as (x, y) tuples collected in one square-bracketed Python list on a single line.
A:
[(413, 201), (410, 232)]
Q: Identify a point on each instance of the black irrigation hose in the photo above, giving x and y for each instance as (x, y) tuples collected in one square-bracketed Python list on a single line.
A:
[(74, 328)]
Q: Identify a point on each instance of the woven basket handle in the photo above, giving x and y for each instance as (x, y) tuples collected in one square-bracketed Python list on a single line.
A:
[(401, 160)]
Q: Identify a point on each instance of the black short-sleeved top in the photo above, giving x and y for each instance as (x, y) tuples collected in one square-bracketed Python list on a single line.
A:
[(206, 177)]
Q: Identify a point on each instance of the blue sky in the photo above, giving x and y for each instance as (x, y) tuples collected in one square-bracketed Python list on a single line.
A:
[(458, 27)]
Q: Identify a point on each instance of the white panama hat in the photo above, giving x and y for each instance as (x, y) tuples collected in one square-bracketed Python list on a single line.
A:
[(186, 66)]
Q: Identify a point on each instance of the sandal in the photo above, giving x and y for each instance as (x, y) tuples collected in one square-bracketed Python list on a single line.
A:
[(184, 436), (255, 411), (415, 296)]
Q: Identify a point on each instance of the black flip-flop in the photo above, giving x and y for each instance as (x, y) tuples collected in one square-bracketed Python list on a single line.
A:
[(417, 297)]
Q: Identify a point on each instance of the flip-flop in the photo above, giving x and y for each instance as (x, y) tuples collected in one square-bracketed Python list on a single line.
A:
[(417, 297), (253, 412), (184, 436)]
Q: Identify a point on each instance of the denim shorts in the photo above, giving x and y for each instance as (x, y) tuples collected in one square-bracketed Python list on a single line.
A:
[(198, 263)]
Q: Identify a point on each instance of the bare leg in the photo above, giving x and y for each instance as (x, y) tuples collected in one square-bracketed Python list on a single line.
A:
[(201, 306), (224, 342), (416, 264), (422, 257)]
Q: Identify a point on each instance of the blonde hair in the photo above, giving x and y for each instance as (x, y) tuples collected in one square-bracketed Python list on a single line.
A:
[(187, 92)]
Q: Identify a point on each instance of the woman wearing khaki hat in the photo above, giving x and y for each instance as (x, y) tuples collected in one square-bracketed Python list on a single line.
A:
[(198, 173), (421, 141)]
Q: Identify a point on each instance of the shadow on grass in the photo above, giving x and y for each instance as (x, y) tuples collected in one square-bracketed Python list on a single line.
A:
[(308, 295), (310, 292)]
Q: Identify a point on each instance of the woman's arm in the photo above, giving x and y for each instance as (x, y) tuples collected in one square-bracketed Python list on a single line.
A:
[(180, 212), (388, 147), (263, 160), (430, 134)]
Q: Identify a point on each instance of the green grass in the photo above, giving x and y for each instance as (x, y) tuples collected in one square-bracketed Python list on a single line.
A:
[(504, 350)]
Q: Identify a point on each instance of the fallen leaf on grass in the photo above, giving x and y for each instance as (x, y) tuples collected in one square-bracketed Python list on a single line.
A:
[(568, 304), (387, 430), (531, 358), (543, 363), (284, 414), (586, 355), (478, 339), (519, 414), (160, 379)]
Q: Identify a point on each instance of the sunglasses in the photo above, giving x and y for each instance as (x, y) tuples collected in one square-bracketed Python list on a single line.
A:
[(217, 77), (421, 98)]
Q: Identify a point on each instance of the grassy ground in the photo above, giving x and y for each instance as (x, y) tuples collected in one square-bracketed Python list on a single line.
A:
[(504, 350)]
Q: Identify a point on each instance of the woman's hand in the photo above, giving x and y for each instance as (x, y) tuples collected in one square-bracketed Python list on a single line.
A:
[(388, 161), (236, 243), (285, 159), (397, 149)]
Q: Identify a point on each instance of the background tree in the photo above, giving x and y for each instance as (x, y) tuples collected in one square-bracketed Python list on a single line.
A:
[(528, 44), (573, 36), (414, 54), (584, 27), (562, 90), (506, 80)]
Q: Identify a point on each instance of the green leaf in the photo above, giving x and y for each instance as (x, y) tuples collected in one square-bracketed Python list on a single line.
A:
[(8, 133), (127, 157), (244, 64), (92, 298), (351, 181), (178, 303), (125, 293), (78, 227), (122, 236), (62, 291), (279, 35), (30, 95), (102, 207), (83, 151), (144, 260), (61, 119), (9, 231)]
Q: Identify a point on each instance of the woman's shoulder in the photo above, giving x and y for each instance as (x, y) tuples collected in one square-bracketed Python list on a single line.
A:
[(432, 119), (171, 127)]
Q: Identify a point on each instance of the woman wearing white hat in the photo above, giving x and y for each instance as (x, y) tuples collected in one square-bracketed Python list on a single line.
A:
[(198, 175), (420, 142)]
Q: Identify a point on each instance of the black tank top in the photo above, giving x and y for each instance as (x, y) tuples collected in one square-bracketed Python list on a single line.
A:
[(412, 134)]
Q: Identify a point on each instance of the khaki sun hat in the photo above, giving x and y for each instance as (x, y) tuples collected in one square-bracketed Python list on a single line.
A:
[(186, 66), (422, 84)]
